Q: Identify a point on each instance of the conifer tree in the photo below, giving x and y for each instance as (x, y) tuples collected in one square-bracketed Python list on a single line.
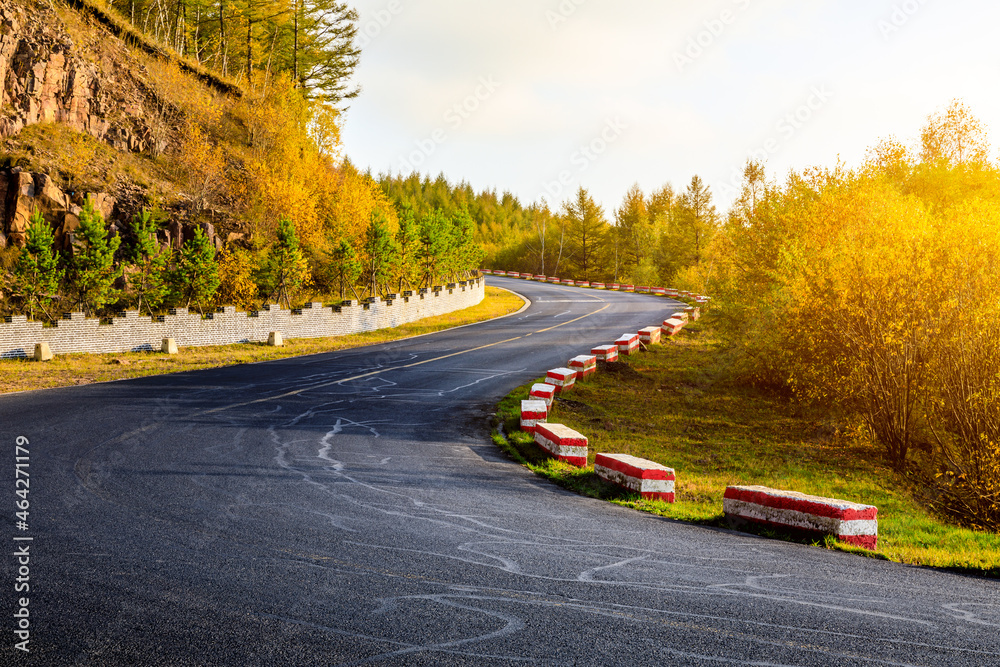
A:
[(91, 268), (435, 246), (345, 269), (378, 253), (196, 275), (148, 280), (37, 273), (408, 247), (285, 270)]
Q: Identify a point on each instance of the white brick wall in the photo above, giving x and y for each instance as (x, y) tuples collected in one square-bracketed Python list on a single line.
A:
[(134, 332)]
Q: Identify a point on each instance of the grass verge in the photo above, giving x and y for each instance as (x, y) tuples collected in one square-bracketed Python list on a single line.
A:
[(75, 369), (677, 404)]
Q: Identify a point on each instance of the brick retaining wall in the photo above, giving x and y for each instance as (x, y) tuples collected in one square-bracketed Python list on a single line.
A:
[(134, 332)]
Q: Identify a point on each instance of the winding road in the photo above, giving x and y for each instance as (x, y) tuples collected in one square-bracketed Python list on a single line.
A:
[(349, 509)]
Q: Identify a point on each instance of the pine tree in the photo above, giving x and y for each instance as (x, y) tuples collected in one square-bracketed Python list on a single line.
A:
[(468, 254), (408, 247), (586, 228), (196, 275), (378, 253), (285, 270), (435, 246), (37, 273), (148, 278), (92, 272), (344, 267)]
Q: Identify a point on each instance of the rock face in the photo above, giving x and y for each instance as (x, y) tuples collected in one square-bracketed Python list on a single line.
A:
[(97, 85), (44, 77), (21, 192)]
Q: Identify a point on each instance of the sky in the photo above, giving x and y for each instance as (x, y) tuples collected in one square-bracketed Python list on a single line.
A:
[(542, 97)]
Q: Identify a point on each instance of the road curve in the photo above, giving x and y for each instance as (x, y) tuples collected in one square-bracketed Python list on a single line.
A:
[(348, 509)]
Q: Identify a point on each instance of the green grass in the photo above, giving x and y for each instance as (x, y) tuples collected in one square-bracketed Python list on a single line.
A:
[(75, 369), (678, 404)]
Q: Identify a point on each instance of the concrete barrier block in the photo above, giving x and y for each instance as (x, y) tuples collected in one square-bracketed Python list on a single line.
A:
[(608, 353), (682, 316), (585, 365), (850, 522), (543, 392), (274, 339), (169, 346), (672, 327), (568, 281), (563, 443), (562, 379), (628, 288), (553, 280), (583, 283), (659, 291), (647, 478), (649, 336), (597, 285), (533, 412), (628, 344), (43, 352)]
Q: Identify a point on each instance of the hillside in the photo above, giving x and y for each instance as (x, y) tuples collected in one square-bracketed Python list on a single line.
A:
[(94, 110)]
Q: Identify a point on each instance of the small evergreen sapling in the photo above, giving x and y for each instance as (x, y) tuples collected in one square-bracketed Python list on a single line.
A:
[(148, 278), (285, 270), (36, 273), (91, 271), (196, 275)]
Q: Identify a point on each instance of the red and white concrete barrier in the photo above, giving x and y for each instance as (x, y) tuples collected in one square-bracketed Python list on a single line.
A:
[(659, 291), (562, 379), (682, 316), (585, 365), (643, 289), (569, 281), (583, 283), (649, 336), (647, 478), (628, 288), (597, 285), (671, 327), (553, 280), (628, 344), (850, 522), (671, 292), (608, 353), (563, 443), (540, 279), (693, 312), (533, 412), (543, 392), (614, 286)]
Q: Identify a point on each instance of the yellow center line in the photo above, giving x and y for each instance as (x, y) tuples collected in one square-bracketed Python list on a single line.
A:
[(379, 371)]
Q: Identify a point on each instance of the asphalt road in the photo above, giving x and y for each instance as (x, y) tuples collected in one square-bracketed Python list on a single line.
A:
[(349, 509)]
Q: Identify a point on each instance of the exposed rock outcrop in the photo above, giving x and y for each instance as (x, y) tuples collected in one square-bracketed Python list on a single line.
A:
[(44, 77), (21, 192)]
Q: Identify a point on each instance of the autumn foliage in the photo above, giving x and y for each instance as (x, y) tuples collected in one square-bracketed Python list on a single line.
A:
[(876, 292)]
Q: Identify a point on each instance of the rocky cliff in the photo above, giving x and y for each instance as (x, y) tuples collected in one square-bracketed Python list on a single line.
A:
[(95, 86), (60, 65)]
